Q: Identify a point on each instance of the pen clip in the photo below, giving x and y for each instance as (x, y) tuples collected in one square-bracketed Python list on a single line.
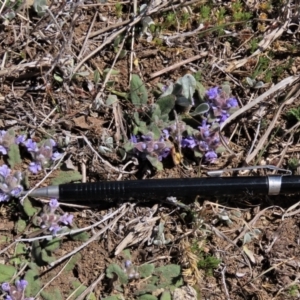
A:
[(218, 173)]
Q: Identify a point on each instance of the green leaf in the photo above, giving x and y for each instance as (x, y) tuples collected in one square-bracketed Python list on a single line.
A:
[(168, 271), (36, 250), (146, 270), (166, 295), (28, 208), (200, 109), (66, 177), (138, 92), (52, 245), (147, 297), (81, 236), (7, 272), (114, 269), (46, 257), (183, 101), (72, 262), (20, 226), (188, 83), (53, 294), (57, 78), (111, 99), (91, 296), (34, 284), (166, 104), (145, 288), (79, 289), (96, 76), (20, 252), (113, 72), (40, 7), (201, 91), (155, 162), (115, 297), (14, 155)]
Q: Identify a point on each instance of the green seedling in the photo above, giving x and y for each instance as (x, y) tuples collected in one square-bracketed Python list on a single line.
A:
[(119, 9)]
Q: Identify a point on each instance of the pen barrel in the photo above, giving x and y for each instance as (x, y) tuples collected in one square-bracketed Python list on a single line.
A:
[(162, 188)]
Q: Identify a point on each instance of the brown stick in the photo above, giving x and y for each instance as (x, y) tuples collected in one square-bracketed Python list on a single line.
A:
[(184, 62)]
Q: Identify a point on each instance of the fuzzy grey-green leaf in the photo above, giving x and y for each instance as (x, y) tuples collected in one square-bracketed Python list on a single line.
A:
[(146, 270), (66, 177), (116, 269), (138, 91), (28, 208), (166, 104), (14, 156), (6, 272)]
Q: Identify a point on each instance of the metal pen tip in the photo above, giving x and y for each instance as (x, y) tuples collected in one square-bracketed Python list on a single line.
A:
[(44, 192)]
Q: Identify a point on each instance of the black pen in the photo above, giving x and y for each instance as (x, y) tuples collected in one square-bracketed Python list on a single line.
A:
[(176, 187)]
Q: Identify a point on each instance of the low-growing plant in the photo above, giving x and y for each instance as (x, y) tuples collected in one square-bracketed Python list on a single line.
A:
[(156, 132), (154, 279)]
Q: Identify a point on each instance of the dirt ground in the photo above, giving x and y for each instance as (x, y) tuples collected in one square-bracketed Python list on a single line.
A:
[(55, 57)]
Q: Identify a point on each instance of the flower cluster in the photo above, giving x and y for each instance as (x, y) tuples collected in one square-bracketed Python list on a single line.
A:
[(8, 138), (147, 145), (15, 292), (10, 184), (221, 105), (131, 270), (50, 220), (42, 155), (207, 140)]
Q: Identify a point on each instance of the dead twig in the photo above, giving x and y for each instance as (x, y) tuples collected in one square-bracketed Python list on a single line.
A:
[(179, 64)]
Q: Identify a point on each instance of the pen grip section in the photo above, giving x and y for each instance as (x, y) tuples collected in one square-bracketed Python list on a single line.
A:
[(162, 188)]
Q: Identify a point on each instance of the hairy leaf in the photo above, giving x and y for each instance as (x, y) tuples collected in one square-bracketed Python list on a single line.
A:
[(147, 297), (72, 262), (28, 208), (166, 104), (46, 257), (53, 294), (200, 109), (6, 272), (34, 284), (53, 244), (138, 91), (14, 156), (155, 162), (146, 270), (114, 269), (66, 177)]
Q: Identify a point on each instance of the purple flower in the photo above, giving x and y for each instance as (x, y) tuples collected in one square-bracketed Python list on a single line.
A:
[(20, 139), (188, 142), (66, 219), (51, 220), (4, 171), (10, 184), (3, 150), (232, 102), (5, 287), (56, 155), (53, 204), (35, 167), (54, 229), (211, 156), (31, 146), (16, 292), (21, 285), (224, 116), (213, 93), (16, 191), (148, 146)]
